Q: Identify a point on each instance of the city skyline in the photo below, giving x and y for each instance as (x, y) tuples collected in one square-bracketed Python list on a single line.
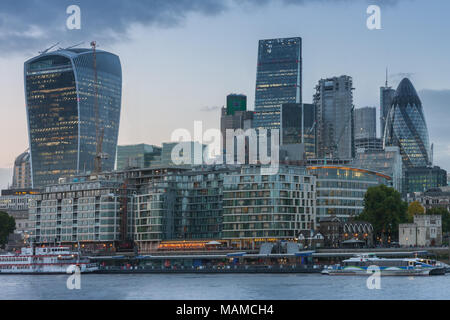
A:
[(141, 102)]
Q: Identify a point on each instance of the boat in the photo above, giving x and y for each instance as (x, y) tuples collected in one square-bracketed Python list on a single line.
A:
[(369, 263), (45, 260)]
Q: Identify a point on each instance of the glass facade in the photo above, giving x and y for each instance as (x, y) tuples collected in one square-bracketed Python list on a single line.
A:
[(406, 127), (341, 190), (365, 123), (278, 79), (335, 118), (137, 156), (387, 161), (292, 123), (60, 98), (386, 96), (425, 178)]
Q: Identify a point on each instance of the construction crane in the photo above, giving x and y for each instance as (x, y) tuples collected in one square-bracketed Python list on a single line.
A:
[(99, 132), (48, 49)]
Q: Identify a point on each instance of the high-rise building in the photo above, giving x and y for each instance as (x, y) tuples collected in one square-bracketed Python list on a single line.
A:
[(406, 127), (334, 118), (293, 127), (60, 92), (386, 96), (236, 102), (278, 79), (137, 156), (235, 116), (365, 123), (22, 173)]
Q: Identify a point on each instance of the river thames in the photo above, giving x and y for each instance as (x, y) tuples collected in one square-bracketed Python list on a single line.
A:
[(221, 287)]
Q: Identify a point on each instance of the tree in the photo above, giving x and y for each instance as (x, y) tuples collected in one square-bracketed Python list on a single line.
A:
[(445, 217), (385, 210), (7, 226), (415, 208)]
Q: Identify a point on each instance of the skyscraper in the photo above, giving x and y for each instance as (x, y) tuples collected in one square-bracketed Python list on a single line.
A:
[(236, 102), (291, 126), (386, 96), (406, 127), (21, 174), (60, 96), (235, 116), (278, 79), (334, 118), (365, 123)]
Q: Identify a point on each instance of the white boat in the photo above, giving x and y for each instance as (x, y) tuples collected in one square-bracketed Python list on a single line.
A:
[(44, 260), (368, 263)]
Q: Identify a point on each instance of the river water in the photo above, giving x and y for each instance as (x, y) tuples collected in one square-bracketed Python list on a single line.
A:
[(221, 287)]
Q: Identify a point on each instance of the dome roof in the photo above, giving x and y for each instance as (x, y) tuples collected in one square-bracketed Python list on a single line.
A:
[(406, 93)]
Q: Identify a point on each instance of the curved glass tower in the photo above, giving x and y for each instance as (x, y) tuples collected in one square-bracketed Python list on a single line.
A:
[(60, 102), (406, 127)]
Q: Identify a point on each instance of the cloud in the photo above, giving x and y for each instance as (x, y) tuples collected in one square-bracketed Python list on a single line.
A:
[(210, 108), (40, 23)]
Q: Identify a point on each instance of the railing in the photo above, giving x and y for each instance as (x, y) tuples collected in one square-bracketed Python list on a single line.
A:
[(214, 269)]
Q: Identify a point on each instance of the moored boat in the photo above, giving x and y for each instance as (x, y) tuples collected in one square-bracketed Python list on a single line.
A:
[(365, 264), (45, 260)]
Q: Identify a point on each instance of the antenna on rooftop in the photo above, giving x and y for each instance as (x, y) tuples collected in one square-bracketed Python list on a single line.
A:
[(386, 77)]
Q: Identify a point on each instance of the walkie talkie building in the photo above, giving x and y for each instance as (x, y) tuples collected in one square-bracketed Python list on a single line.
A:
[(60, 104), (406, 127)]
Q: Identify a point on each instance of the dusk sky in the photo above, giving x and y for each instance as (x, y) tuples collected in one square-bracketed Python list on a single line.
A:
[(181, 58)]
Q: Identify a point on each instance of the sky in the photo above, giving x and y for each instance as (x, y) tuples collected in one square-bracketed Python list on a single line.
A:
[(180, 58)]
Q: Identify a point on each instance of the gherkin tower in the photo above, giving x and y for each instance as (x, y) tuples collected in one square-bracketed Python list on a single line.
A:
[(406, 127)]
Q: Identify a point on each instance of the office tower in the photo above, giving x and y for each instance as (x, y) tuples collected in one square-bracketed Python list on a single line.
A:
[(365, 123), (22, 174), (235, 116), (137, 156), (291, 131), (334, 118), (60, 92), (406, 127), (387, 161), (278, 79), (386, 96), (236, 102), (421, 179)]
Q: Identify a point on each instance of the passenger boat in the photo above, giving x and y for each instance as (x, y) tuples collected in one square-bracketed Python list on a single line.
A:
[(46, 260), (365, 264)]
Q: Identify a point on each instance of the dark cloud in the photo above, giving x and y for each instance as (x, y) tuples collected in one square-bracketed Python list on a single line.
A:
[(32, 24)]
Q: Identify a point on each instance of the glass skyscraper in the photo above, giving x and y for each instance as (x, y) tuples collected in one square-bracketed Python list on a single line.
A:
[(335, 118), (60, 104), (406, 127), (278, 79)]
